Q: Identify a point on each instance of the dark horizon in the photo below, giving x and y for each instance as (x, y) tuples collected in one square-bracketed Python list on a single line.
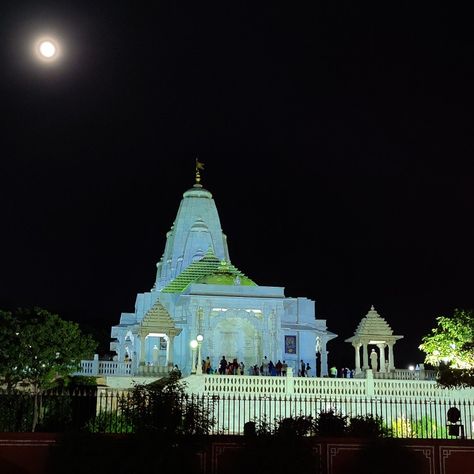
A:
[(337, 145)]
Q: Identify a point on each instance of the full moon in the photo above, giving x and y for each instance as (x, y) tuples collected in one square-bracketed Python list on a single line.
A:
[(47, 49)]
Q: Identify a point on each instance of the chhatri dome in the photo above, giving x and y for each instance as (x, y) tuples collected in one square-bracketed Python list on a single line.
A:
[(198, 291), (374, 330)]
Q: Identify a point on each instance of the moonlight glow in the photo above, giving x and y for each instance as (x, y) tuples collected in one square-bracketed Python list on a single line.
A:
[(47, 49)]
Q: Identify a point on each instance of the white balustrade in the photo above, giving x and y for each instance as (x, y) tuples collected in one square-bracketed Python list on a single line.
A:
[(114, 368), (87, 368), (317, 387), (108, 368), (244, 384), (405, 374), (401, 384), (327, 387), (104, 367)]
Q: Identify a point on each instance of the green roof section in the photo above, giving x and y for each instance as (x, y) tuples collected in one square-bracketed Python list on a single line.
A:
[(208, 270)]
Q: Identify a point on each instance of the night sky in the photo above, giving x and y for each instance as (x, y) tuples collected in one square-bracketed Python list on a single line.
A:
[(337, 143)]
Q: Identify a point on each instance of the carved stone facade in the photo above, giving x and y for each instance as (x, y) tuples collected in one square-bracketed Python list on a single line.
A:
[(198, 292)]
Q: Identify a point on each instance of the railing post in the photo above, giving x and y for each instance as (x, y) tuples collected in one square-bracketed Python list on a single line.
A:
[(95, 365), (290, 384), (369, 382)]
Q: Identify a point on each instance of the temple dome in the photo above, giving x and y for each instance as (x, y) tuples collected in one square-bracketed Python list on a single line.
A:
[(226, 275), (373, 324), (373, 329), (208, 270)]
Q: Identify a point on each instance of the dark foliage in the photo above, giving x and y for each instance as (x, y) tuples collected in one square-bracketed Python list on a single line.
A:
[(61, 410), (330, 423), (455, 378), (163, 408), (162, 430), (299, 426), (367, 426)]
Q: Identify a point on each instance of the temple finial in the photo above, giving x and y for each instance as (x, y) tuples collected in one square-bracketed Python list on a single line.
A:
[(199, 167)]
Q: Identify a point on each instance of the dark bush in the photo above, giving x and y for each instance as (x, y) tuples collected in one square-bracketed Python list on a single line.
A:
[(367, 426), (330, 423)]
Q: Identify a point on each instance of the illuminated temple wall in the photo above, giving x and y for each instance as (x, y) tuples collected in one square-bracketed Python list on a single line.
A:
[(203, 293)]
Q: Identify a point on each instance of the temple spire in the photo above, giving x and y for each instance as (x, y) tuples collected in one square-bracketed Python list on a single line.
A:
[(199, 167)]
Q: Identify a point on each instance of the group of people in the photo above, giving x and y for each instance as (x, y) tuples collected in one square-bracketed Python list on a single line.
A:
[(267, 367), (227, 368), (238, 368), (304, 370), (343, 372)]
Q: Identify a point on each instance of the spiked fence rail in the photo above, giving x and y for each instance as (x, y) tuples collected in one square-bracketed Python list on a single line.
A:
[(108, 411)]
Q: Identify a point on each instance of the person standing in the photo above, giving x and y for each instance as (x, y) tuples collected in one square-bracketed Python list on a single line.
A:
[(207, 365), (303, 368), (223, 366), (265, 366)]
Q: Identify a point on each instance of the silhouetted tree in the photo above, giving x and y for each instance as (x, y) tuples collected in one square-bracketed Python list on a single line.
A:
[(39, 349)]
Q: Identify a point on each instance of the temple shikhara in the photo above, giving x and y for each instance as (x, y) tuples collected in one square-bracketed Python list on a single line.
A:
[(201, 305)]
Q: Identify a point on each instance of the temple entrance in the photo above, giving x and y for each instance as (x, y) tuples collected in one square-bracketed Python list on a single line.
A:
[(236, 338), (155, 350)]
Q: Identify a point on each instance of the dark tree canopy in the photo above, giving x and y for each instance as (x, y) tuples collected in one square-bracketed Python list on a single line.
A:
[(39, 348)]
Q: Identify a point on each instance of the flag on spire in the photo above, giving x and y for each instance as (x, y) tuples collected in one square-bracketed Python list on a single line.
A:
[(199, 167)]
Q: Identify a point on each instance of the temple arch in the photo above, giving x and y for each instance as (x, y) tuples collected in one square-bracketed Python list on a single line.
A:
[(236, 337)]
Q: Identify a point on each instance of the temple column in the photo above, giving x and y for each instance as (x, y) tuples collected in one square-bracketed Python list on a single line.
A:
[(391, 360), (169, 351), (365, 354), (324, 359), (142, 349), (357, 358), (382, 357)]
